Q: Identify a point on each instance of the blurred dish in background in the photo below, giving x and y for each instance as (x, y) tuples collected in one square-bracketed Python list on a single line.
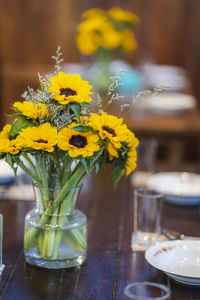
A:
[(173, 77), (6, 173), (14, 188), (179, 188), (168, 103), (19, 192)]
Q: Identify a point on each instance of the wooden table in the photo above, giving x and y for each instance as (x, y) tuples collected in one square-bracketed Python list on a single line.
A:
[(110, 262), (178, 136), (148, 123)]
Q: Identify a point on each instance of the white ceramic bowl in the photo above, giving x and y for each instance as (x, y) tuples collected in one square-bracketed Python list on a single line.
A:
[(178, 187), (169, 103), (180, 260)]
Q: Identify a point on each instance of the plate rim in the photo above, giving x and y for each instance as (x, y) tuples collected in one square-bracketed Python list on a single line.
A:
[(163, 244), (187, 281), (176, 174), (187, 104)]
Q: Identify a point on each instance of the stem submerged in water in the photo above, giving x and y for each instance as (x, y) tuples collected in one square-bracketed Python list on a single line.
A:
[(55, 226), (56, 216)]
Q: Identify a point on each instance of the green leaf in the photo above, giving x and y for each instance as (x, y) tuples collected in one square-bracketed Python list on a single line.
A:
[(12, 164), (97, 167), (117, 172), (76, 108), (18, 125), (54, 102), (86, 163), (2, 155), (83, 128), (85, 104)]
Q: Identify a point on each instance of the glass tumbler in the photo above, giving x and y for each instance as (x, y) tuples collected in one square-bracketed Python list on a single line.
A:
[(147, 218)]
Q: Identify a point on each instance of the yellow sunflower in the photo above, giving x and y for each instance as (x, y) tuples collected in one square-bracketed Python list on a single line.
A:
[(110, 128), (131, 161), (31, 110), (112, 151), (132, 142), (7, 145), (120, 15), (128, 41), (5, 131), (93, 12), (67, 88), (76, 143), (87, 43), (111, 38), (43, 137), (95, 32)]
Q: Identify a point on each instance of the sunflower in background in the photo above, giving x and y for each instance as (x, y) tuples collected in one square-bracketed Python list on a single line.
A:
[(105, 35), (110, 31)]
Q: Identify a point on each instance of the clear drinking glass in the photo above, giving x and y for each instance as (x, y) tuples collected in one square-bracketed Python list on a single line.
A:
[(147, 218), (146, 291)]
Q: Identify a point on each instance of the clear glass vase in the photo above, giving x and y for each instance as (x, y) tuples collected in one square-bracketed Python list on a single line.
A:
[(55, 232)]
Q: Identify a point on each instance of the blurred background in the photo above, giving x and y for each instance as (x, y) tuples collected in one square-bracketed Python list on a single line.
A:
[(168, 53)]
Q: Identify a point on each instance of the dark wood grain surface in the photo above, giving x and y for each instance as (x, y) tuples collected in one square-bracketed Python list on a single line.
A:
[(110, 262), (146, 122)]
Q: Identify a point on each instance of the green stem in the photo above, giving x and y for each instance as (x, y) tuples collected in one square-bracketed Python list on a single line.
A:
[(40, 240), (44, 193), (30, 234), (53, 239), (49, 239), (76, 235), (27, 171), (66, 170), (41, 167), (62, 220), (29, 161)]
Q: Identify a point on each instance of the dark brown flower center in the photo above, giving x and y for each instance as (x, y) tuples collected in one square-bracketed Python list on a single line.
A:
[(67, 92), (41, 141), (78, 141), (109, 130)]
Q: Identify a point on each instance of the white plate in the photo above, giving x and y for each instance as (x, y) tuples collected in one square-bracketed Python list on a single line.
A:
[(170, 103), (6, 173), (180, 260), (178, 187), (173, 77)]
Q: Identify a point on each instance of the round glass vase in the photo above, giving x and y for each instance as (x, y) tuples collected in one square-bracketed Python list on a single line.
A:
[(55, 233)]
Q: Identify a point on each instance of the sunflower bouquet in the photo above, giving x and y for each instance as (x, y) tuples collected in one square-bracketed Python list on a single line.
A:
[(57, 140), (104, 35), (110, 31)]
